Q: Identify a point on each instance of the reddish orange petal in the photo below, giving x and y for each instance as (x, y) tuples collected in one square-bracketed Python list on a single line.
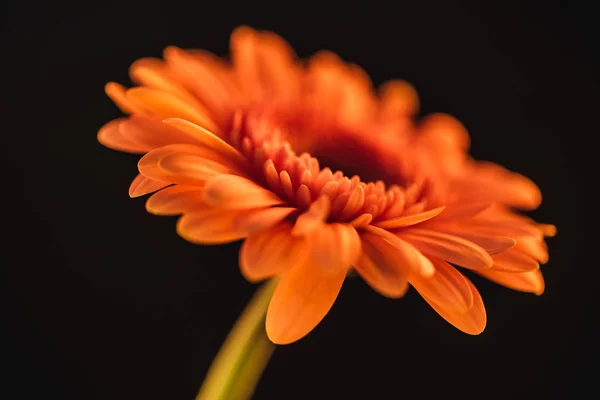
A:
[(142, 185), (398, 98), (301, 300), (232, 191), (271, 252), (448, 247), (401, 222), (210, 226), (185, 164), (407, 255), (472, 321), (175, 200), (334, 246), (164, 105), (112, 136), (117, 94), (381, 267), (462, 210), (514, 261), (531, 282), (447, 287)]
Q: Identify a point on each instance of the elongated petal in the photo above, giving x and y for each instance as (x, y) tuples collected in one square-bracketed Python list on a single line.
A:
[(117, 94), (236, 192), (176, 200), (472, 321), (313, 218), (491, 243), (380, 266), (464, 210), (449, 247), (401, 222), (408, 255), (447, 287), (165, 105), (210, 226), (111, 135), (142, 186), (301, 300), (530, 282), (261, 219), (514, 261), (271, 252), (334, 247)]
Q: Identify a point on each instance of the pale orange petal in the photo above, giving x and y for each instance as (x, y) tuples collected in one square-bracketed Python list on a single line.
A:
[(381, 267), (407, 254), (185, 164), (301, 300), (111, 135), (141, 186), (175, 200), (404, 221), (472, 321), (117, 94), (210, 226), (271, 252), (232, 191), (448, 247), (531, 282), (514, 261), (334, 246), (447, 287), (165, 105)]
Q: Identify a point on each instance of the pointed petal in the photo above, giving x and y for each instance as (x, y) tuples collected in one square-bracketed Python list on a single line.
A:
[(380, 266), (271, 252), (530, 282), (334, 247), (232, 191), (301, 300), (448, 247), (362, 220), (164, 105), (472, 322), (117, 94), (514, 261), (210, 226), (409, 256), (142, 185), (404, 221), (447, 287), (176, 200)]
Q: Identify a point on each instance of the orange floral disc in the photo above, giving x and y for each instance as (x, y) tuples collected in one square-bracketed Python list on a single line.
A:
[(263, 149)]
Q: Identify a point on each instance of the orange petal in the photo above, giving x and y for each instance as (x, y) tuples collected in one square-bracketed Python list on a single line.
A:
[(313, 218), (111, 135), (148, 133), (514, 261), (534, 247), (493, 244), (117, 94), (448, 247), (463, 210), (184, 164), (334, 246), (142, 185), (531, 282), (301, 300), (175, 200), (472, 321), (210, 226), (447, 287), (408, 256), (271, 252), (164, 105), (361, 221), (261, 219), (381, 267), (232, 191), (398, 98), (409, 220)]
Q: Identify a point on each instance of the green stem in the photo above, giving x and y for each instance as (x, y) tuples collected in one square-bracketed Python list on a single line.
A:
[(244, 355)]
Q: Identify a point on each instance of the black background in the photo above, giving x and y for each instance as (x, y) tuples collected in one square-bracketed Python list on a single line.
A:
[(104, 301)]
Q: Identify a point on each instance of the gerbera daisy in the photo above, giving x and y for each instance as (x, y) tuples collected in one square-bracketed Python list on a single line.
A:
[(320, 175)]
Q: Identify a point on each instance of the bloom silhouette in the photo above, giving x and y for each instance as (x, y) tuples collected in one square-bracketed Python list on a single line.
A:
[(320, 174)]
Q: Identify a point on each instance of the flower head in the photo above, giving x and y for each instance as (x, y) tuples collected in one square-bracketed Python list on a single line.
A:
[(319, 174)]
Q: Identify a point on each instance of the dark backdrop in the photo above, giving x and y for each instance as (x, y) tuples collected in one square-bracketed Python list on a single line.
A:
[(104, 301)]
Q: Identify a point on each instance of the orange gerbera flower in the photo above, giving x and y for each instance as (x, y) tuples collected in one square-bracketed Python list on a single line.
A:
[(237, 150)]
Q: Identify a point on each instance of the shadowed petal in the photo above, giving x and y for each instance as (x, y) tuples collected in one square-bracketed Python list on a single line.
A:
[(301, 300), (381, 267), (142, 185), (271, 252)]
